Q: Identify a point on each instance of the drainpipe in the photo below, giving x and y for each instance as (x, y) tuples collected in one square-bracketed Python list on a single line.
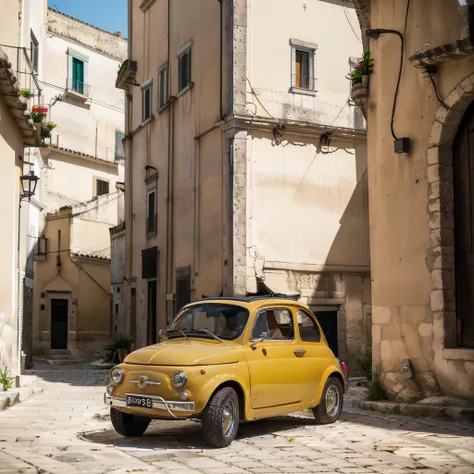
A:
[(169, 209), (19, 312), (221, 54)]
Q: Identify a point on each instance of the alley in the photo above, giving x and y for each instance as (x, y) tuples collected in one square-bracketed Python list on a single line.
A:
[(66, 429)]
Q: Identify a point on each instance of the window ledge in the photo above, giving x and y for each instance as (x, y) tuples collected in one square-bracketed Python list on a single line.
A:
[(147, 121), (77, 96), (163, 107), (186, 89), (459, 354), (151, 234), (298, 90), (146, 4)]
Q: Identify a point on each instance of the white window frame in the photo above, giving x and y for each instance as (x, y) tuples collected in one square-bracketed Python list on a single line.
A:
[(187, 47), (353, 62), (152, 190), (163, 76), (311, 49), (71, 53), (145, 86)]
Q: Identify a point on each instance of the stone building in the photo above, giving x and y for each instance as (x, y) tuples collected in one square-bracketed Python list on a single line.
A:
[(246, 162), (421, 219), (81, 167), (18, 140)]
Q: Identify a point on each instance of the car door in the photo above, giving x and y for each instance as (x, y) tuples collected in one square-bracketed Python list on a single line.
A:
[(314, 356), (273, 365)]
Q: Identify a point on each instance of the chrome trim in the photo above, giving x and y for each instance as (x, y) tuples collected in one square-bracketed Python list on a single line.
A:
[(159, 403), (143, 381)]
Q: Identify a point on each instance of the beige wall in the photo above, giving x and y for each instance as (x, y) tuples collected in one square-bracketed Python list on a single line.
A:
[(279, 187), (11, 147), (83, 281), (410, 320)]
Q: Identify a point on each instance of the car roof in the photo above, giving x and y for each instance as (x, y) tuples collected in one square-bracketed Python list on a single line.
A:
[(253, 300)]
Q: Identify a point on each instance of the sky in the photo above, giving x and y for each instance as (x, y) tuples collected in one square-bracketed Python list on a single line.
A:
[(110, 15)]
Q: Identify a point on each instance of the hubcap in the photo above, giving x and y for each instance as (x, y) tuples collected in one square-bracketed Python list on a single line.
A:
[(332, 401), (229, 416)]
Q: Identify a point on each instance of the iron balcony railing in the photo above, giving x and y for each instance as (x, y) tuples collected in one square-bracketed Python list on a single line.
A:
[(21, 60), (303, 82), (79, 87)]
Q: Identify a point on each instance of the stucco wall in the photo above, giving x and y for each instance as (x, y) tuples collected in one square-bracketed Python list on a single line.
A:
[(410, 311), (11, 147)]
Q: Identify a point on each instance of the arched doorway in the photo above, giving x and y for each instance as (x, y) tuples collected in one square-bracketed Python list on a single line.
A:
[(463, 180)]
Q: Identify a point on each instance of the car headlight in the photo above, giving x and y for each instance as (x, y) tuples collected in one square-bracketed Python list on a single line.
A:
[(116, 375), (179, 379)]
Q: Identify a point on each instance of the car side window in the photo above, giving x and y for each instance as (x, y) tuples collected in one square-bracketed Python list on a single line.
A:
[(274, 325), (309, 330)]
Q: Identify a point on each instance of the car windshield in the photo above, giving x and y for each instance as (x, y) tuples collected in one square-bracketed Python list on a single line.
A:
[(210, 320)]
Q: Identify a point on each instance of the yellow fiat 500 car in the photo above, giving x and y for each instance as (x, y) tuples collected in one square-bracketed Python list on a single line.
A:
[(228, 360)]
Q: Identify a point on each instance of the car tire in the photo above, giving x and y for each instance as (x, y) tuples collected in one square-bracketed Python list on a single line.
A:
[(332, 401), (221, 418), (128, 425)]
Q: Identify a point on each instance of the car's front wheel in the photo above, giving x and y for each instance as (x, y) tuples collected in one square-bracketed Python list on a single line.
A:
[(128, 425), (221, 418), (330, 406)]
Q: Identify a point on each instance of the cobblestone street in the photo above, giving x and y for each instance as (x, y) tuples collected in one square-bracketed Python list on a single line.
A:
[(66, 429)]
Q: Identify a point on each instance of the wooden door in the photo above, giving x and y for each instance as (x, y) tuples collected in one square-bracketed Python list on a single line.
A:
[(463, 167), (59, 329)]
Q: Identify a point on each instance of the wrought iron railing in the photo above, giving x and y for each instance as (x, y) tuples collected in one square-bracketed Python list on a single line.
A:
[(303, 82), (78, 86), (21, 63)]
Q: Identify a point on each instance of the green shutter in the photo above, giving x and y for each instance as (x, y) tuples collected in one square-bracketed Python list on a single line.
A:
[(78, 75)]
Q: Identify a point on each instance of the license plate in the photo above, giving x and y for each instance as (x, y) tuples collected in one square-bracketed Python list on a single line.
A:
[(138, 401)]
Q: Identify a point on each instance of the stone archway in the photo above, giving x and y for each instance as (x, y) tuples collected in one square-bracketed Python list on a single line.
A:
[(440, 256), (362, 8)]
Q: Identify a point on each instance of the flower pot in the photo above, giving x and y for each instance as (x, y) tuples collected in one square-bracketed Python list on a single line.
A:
[(121, 354)]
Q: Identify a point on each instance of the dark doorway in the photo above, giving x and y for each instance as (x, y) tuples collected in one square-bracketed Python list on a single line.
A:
[(328, 322), (59, 311), (463, 168), (151, 310)]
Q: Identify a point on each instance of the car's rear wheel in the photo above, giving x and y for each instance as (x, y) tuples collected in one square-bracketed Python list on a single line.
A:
[(128, 425), (330, 406), (221, 418)]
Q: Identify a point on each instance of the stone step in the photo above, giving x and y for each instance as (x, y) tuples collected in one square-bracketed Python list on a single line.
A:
[(63, 352)]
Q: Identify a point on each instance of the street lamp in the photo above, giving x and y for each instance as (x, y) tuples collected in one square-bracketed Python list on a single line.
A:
[(28, 185)]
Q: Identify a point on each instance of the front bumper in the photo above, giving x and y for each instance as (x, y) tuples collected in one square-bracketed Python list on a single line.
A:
[(159, 403)]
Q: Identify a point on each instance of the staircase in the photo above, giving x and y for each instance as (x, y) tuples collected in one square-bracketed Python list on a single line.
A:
[(59, 357)]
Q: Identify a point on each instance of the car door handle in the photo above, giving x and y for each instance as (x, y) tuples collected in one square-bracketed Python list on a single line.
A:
[(300, 353)]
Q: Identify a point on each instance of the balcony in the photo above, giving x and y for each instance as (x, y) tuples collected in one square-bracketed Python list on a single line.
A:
[(78, 90), (20, 89)]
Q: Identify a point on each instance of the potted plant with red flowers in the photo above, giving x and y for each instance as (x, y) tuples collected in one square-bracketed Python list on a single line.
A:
[(38, 114)]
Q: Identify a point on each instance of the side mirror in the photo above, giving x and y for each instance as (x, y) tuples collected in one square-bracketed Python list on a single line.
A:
[(161, 334), (254, 342)]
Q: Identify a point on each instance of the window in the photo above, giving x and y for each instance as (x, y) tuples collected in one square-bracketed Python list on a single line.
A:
[(77, 73), (151, 213), (303, 66), (184, 69), (102, 187), (163, 86), (41, 249), (274, 324), (146, 100), (309, 330), (34, 52), (77, 76), (119, 151)]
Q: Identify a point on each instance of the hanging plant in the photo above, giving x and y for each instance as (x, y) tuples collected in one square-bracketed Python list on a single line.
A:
[(45, 131), (26, 93), (364, 68), (50, 126), (37, 117)]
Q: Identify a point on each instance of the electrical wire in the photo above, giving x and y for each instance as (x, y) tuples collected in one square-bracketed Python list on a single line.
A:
[(258, 100), (350, 24), (435, 87)]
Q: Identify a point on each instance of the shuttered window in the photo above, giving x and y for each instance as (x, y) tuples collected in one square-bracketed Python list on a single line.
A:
[(34, 52), (184, 70), (183, 291)]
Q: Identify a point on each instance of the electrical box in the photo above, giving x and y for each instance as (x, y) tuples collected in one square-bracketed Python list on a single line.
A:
[(402, 146)]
